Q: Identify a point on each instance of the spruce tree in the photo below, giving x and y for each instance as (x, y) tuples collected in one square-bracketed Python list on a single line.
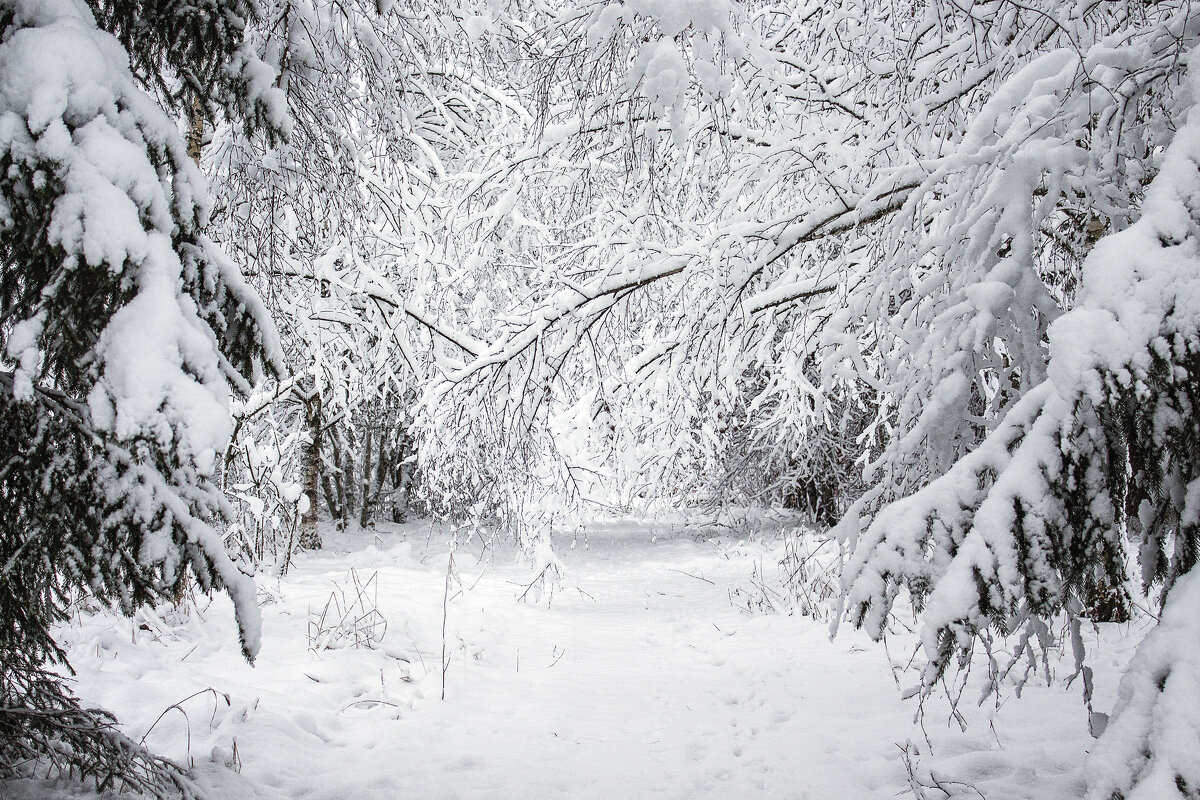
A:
[(1094, 468), (122, 330)]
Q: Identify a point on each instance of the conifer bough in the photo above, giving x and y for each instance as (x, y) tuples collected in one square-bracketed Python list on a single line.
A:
[(122, 330)]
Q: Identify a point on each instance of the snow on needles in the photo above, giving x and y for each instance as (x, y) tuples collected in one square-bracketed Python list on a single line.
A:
[(68, 99), (975, 545), (69, 106), (1156, 721)]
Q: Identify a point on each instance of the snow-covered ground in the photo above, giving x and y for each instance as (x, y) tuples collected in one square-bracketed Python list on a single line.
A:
[(638, 676)]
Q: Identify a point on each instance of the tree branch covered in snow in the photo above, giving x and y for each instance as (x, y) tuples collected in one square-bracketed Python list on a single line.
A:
[(738, 228), (1098, 458), (122, 329)]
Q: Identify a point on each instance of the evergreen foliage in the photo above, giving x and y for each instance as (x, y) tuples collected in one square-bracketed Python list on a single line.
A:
[(122, 328)]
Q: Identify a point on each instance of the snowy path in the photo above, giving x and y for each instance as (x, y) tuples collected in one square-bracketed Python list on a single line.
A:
[(662, 688), (647, 683)]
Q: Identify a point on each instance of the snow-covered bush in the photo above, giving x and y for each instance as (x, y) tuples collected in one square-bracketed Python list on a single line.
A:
[(123, 330)]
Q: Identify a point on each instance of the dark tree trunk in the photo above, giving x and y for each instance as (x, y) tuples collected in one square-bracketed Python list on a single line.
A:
[(365, 513), (310, 473), (383, 461), (349, 499), (331, 497)]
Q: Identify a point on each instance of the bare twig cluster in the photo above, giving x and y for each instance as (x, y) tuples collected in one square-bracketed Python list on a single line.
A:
[(350, 617)]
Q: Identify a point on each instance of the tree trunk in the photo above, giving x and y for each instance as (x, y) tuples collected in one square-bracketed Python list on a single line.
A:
[(401, 480), (365, 516), (310, 473), (331, 497), (336, 493), (195, 139), (349, 478), (383, 461)]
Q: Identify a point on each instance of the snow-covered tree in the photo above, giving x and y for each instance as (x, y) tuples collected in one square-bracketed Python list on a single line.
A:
[(1099, 458), (914, 212), (123, 330), (347, 227)]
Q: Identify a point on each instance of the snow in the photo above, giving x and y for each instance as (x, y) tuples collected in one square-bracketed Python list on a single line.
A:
[(1149, 750), (23, 349), (632, 668), (641, 675), (1025, 100), (981, 540), (673, 16), (66, 97), (158, 357)]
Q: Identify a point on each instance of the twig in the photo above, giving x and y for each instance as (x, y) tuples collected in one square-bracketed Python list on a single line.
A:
[(533, 583), (178, 706), (690, 575), (365, 702), (445, 615)]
